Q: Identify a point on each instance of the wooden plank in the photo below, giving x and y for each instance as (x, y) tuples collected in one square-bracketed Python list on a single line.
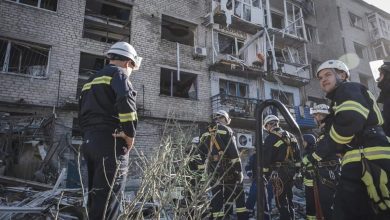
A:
[(21, 182)]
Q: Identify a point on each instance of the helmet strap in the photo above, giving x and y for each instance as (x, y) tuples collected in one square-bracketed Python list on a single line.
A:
[(339, 80)]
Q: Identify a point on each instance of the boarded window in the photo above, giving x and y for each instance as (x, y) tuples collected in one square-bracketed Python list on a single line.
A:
[(286, 98), (45, 4), (89, 65), (233, 88), (107, 21), (23, 57), (186, 87), (177, 31)]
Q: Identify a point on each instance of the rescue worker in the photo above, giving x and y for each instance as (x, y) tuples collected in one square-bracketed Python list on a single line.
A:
[(218, 146), (320, 114), (320, 179), (108, 119), (309, 142), (251, 172), (280, 155), (355, 129), (384, 96)]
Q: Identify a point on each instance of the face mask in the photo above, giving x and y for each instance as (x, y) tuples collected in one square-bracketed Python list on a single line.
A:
[(127, 71)]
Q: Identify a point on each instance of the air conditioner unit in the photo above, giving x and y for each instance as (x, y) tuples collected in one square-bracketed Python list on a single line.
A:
[(199, 52), (244, 140)]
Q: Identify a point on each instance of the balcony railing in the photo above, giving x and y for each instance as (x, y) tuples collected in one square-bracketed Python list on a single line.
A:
[(234, 105), (301, 114), (240, 107)]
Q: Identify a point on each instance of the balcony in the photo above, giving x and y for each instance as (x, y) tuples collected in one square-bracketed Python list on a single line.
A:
[(301, 115), (247, 16), (291, 74), (379, 27), (228, 64), (242, 111)]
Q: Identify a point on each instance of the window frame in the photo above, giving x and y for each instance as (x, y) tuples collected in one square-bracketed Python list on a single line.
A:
[(357, 19), (172, 93), (237, 41), (9, 42), (114, 29), (237, 88), (179, 22), (309, 30), (363, 52), (272, 91), (38, 6)]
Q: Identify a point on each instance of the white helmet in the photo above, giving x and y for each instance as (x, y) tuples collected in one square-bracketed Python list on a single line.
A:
[(126, 50), (333, 64), (321, 108), (270, 118), (222, 113)]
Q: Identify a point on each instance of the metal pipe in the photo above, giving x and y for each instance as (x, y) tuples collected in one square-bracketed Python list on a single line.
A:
[(178, 60), (14, 209)]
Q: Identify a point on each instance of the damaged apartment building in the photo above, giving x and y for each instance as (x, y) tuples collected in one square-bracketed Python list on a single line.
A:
[(198, 57)]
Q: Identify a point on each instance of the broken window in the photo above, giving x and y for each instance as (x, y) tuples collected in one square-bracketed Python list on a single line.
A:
[(45, 4), (89, 64), (186, 87), (312, 34), (242, 9), (355, 21), (314, 66), (177, 31), (379, 51), (384, 28), (286, 98), (107, 21), (294, 24), (228, 45), (233, 88), (308, 7), (23, 57), (359, 49), (277, 20)]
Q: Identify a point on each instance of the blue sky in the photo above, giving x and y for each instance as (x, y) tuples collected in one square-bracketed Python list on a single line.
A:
[(382, 4)]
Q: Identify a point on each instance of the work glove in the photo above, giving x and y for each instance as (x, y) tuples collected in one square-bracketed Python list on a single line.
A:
[(376, 179), (306, 164)]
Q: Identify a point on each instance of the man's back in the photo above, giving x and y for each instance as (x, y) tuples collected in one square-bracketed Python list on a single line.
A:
[(103, 97)]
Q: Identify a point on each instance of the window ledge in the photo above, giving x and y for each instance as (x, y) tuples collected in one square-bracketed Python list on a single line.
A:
[(24, 75), (30, 6), (179, 98)]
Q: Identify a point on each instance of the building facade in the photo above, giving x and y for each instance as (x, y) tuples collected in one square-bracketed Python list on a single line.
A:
[(198, 57)]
